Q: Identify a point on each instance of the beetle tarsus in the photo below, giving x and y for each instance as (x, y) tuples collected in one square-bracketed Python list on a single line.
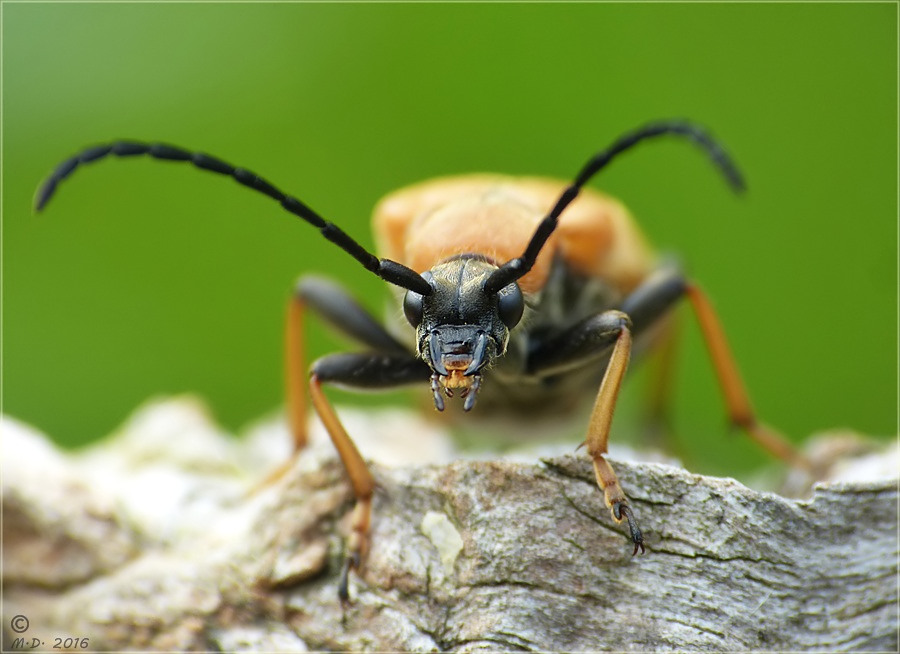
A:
[(350, 563), (620, 510)]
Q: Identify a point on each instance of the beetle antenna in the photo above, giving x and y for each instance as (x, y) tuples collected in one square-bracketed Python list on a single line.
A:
[(390, 271), (518, 267)]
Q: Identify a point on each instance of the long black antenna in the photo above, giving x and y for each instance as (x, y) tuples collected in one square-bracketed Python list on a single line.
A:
[(518, 267), (389, 271)]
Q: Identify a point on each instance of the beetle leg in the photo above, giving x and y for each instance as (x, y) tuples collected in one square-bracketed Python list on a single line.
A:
[(339, 309), (618, 326), (737, 399), (587, 342), (358, 370), (294, 370), (653, 299), (360, 479)]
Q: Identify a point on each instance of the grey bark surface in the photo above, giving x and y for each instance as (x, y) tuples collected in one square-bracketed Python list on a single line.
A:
[(164, 538)]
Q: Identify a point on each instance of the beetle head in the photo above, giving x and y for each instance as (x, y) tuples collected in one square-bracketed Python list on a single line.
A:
[(460, 327)]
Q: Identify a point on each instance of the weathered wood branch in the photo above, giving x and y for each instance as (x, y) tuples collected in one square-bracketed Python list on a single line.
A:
[(164, 538)]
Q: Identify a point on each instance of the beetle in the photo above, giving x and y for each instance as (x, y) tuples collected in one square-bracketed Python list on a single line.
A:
[(522, 293)]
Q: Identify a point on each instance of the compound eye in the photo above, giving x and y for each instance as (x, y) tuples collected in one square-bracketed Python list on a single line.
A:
[(412, 308), (510, 305)]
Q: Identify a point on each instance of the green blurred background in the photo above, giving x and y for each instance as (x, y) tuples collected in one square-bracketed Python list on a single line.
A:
[(145, 278)]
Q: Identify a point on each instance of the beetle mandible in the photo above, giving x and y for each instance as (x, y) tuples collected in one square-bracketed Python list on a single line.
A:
[(509, 279)]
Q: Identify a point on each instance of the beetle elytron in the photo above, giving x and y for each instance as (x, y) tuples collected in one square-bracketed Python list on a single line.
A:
[(522, 292)]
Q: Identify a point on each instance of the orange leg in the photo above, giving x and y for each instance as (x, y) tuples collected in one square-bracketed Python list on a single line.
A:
[(387, 365), (295, 373), (599, 426), (295, 386), (737, 400), (360, 370), (360, 479)]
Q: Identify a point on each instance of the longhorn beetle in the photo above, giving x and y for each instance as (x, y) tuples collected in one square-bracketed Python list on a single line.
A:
[(521, 291)]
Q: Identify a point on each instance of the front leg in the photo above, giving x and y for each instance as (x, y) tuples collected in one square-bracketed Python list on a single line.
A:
[(617, 325), (364, 370), (599, 426), (592, 339)]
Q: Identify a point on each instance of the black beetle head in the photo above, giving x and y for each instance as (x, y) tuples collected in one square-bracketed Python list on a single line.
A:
[(460, 327)]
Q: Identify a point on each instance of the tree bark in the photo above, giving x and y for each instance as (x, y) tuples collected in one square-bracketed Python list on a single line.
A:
[(165, 538)]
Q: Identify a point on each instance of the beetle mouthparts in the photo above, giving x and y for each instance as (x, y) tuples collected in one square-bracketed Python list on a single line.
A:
[(456, 354), (442, 385)]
